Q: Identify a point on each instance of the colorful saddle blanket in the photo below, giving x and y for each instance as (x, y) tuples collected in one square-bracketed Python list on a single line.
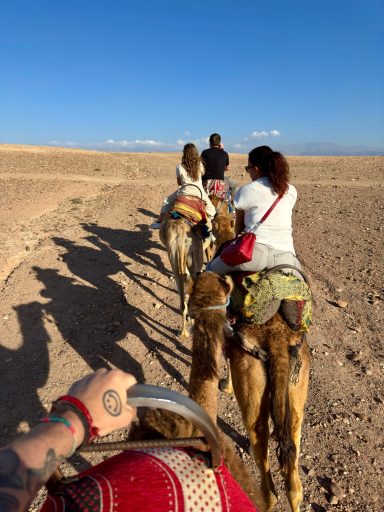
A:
[(258, 298), (190, 207), (217, 188), (152, 480)]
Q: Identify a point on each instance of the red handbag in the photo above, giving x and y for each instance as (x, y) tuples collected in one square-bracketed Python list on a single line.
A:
[(240, 249)]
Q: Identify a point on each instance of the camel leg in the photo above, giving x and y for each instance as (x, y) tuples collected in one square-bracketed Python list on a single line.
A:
[(184, 306), (297, 397), (181, 288), (252, 393), (226, 385)]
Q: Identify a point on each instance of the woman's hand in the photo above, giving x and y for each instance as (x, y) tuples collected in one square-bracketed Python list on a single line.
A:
[(104, 394)]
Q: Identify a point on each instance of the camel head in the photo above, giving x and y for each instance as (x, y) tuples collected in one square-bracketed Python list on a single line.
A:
[(209, 289)]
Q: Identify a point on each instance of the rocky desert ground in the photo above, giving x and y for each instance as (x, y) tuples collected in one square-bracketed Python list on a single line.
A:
[(85, 283)]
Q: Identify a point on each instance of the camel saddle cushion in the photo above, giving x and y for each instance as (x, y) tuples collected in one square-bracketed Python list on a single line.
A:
[(152, 480), (190, 207), (258, 298), (217, 188)]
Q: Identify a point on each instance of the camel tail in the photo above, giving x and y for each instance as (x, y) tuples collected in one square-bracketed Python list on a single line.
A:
[(176, 235), (280, 410)]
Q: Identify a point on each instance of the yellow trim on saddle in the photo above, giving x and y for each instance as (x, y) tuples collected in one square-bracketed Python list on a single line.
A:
[(189, 212), (262, 296)]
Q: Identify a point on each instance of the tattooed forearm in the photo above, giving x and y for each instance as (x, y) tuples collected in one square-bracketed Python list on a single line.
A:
[(18, 482), (9, 466), (41, 475), (112, 402)]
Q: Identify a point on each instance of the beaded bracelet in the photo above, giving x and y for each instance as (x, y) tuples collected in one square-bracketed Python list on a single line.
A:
[(75, 405), (68, 424)]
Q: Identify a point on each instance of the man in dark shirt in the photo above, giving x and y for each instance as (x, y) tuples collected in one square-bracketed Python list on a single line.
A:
[(215, 159)]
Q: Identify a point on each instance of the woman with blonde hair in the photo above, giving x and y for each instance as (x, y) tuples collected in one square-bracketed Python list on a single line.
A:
[(188, 176)]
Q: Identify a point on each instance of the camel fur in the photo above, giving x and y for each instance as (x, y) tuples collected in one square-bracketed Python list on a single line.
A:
[(185, 252), (262, 389), (223, 225)]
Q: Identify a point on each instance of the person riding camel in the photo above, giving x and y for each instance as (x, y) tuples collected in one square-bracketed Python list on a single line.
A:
[(269, 172), (216, 162), (189, 178)]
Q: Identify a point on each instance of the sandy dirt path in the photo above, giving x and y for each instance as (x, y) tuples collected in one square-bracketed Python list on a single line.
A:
[(86, 284)]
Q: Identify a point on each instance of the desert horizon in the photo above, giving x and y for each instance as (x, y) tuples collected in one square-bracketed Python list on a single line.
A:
[(85, 283)]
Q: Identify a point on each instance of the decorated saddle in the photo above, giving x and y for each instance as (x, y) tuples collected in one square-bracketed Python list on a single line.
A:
[(217, 188), (190, 207), (257, 297)]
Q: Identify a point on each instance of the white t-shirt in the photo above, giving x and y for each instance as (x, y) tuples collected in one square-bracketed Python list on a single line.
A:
[(181, 173), (255, 199)]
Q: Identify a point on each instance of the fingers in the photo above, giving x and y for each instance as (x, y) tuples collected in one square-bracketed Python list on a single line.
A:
[(104, 394)]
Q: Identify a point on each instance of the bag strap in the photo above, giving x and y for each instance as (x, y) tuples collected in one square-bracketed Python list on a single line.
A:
[(266, 214)]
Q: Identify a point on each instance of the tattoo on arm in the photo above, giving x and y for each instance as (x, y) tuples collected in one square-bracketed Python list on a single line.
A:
[(16, 478), (112, 402), (41, 475)]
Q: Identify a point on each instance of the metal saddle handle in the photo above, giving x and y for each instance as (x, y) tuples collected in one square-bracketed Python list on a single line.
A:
[(155, 397), (179, 192)]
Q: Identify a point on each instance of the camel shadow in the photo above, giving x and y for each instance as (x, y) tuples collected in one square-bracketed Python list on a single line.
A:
[(90, 310), (24, 371), (104, 317)]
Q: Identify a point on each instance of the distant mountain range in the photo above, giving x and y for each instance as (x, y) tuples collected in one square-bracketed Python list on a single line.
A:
[(327, 149)]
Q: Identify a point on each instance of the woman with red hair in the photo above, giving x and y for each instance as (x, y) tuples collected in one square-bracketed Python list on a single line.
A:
[(269, 172)]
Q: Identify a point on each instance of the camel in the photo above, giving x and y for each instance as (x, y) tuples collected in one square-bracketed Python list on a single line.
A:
[(273, 381), (185, 252), (223, 226)]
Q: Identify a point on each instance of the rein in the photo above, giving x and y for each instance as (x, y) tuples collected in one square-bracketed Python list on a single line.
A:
[(218, 306), (223, 201)]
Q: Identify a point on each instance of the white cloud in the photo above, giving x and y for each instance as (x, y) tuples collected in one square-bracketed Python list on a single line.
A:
[(259, 135), (133, 145), (61, 143), (141, 144), (263, 134), (239, 146), (187, 132)]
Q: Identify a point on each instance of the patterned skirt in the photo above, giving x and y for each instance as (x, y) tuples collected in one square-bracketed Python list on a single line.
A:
[(217, 188)]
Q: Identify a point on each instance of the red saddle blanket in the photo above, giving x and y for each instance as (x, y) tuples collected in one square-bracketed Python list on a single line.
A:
[(152, 480)]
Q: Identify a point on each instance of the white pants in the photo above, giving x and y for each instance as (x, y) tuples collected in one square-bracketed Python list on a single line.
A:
[(263, 257)]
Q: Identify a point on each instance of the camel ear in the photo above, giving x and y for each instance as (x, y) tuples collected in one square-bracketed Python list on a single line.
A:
[(190, 284), (226, 283), (215, 225), (233, 223)]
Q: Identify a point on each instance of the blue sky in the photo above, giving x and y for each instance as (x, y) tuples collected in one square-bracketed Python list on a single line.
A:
[(136, 75)]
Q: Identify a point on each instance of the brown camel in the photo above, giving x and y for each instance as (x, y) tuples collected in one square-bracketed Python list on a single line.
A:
[(223, 226), (185, 252), (273, 382)]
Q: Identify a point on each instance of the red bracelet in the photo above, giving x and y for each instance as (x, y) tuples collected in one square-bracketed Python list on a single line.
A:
[(90, 431)]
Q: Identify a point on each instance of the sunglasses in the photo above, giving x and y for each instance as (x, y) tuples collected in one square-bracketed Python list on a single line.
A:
[(249, 167)]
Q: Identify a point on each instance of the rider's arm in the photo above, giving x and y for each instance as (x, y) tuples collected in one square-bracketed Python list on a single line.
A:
[(178, 178), (27, 463), (239, 224)]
